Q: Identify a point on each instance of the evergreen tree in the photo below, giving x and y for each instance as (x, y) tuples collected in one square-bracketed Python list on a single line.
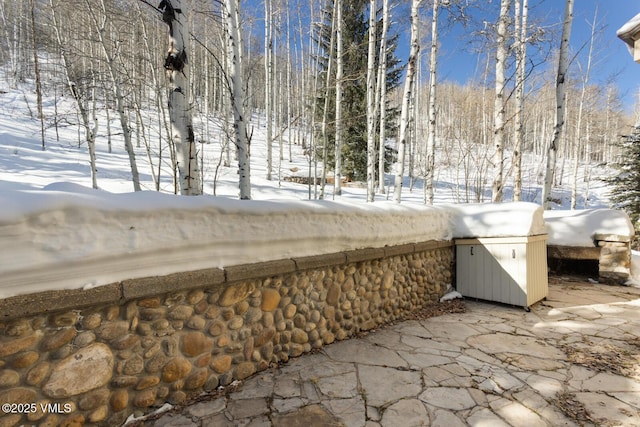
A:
[(354, 113), (626, 184)]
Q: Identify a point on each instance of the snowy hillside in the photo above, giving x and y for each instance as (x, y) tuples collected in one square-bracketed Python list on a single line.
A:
[(24, 165)]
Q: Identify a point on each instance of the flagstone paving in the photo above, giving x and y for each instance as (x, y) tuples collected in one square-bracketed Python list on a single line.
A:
[(573, 360)]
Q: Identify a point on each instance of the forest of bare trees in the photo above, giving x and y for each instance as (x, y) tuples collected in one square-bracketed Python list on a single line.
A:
[(352, 82)]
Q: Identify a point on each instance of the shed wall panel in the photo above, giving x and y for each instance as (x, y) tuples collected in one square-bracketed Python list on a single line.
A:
[(507, 270)]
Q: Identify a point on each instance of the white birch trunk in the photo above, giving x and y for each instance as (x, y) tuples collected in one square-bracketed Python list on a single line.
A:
[(36, 69), (176, 64), (268, 87), (371, 119), (325, 112), (382, 95), (563, 65), (117, 91), (578, 135), (500, 103), (89, 132), (337, 184), (406, 101), (238, 98), (431, 137), (521, 15)]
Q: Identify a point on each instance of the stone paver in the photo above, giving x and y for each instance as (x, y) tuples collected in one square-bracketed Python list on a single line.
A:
[(491, 366)]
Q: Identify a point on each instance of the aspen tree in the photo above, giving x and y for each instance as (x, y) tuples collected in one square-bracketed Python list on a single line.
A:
[(176, 63), (110, 52), (237, 95), (89, 130), (371, 118), (268, 77), (337, 184), (325, 112), (581, 111), (431, 138), (500, 102), (406, 100), (561, 77), (521, 15), (381, 99), (36, 69)]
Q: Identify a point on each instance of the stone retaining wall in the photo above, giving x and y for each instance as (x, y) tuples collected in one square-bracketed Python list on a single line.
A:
[(614, 263), (94, 357)]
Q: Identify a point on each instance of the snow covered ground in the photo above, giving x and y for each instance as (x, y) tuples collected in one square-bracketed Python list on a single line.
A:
[(56, 232)]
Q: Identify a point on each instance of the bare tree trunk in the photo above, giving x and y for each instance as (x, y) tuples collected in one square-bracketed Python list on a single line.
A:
[(500, 102), (238, 98), (578, 135), (268, 77), (563, 65), (117, 91), (176, 63), (521, 16), (337, 184), (371, 119), (431, 137), (89, 132), (325, 112), (382, 98), (36, 65), (406, 100)]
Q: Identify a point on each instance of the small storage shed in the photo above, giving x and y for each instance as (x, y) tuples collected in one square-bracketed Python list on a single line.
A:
[(501, 253), (511, 270)]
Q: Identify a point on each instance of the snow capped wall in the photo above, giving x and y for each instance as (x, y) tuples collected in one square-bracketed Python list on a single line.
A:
[(67, 236), (578, 228)]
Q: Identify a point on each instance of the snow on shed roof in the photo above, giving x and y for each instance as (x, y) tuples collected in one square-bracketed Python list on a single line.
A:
[(498, 220)]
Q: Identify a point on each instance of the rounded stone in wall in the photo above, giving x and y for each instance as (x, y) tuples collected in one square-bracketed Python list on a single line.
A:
[(99, 414), (241, 308), (8, 378), (270, 299), (145, 398), (235, 293), (113, 330), (26, 359), (89, 368), (93, 399), (221, 364), (217, 328), (176, 369), (119, 400), (245, 370), (38, 373), (17, 328), (196, 379), (84, 339), (333, 295), (196, 323), (64, 319), (14, 346), (196, 343)]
